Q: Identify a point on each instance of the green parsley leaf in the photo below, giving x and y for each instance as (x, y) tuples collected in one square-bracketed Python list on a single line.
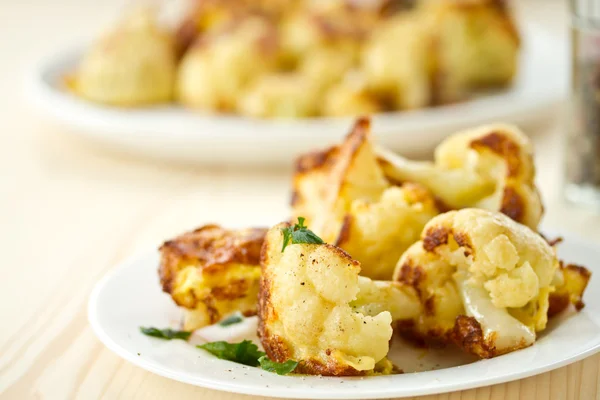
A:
[(245, 352), (299, 233), (279, 368), (166, 334), (231, 320)]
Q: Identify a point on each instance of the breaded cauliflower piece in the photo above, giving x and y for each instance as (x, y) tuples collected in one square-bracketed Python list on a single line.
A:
[(484, 281), (305, 313), (327, 66), (212, 272), (325, 25), (219, 67), (489, 167), (570, 283), (477, 45), (284, 95), (398, 61), (377, 233), (134, 65), (346, 200), (350, 97), (326, 183), (212, 15)]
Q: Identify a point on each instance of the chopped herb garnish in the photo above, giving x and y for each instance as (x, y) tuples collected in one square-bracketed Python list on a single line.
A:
[(279, 368), (231, 320), (299, 234), (166, 334), (247, 353)]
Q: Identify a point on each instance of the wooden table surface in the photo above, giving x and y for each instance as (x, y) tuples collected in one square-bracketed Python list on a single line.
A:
[(69, 211)]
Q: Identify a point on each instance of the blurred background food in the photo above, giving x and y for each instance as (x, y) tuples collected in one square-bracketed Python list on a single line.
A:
[(304, 58)]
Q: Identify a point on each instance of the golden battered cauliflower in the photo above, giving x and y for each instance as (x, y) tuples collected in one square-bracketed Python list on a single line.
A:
[(134, 65), (350, 97), (483, 279), (329, 26), (212, 272), (215, 71), (285, 95), (327, 66), (477, 45), (305, 313), (489, 167), (377, 233), (326, 183), (397, 61), (570, 283), (346, 200)]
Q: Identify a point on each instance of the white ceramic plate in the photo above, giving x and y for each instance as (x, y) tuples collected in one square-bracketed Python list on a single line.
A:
[(131, 297), (173, 132)]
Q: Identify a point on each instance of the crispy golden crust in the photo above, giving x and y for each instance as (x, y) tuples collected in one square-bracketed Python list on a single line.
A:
[(466, 334), (326, 159), (504, 147), (435, 237), (412, 275), (518, 162), (575, 279), (209, 248), (326, 182)]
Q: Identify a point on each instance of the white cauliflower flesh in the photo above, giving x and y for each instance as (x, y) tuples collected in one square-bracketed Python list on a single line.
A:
[(377, 233), (489, 167), (305, 312), (484, 281), (375, 297)]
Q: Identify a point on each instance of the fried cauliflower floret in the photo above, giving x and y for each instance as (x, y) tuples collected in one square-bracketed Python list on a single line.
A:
[(326, 183), (489, 167), (570, 283), (285, 95), (484, 281), (305, 313), (397, 62), (212, 272), (350, 97), (331, 26), (218, 68), (134, 65), (477, 45), (377, 233), (327, 66)]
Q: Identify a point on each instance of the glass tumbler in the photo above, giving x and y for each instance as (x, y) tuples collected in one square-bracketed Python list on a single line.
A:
[(582, 180)]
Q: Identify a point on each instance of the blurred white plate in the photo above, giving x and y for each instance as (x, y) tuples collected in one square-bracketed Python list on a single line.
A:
[(173, 132), (131, 297)]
